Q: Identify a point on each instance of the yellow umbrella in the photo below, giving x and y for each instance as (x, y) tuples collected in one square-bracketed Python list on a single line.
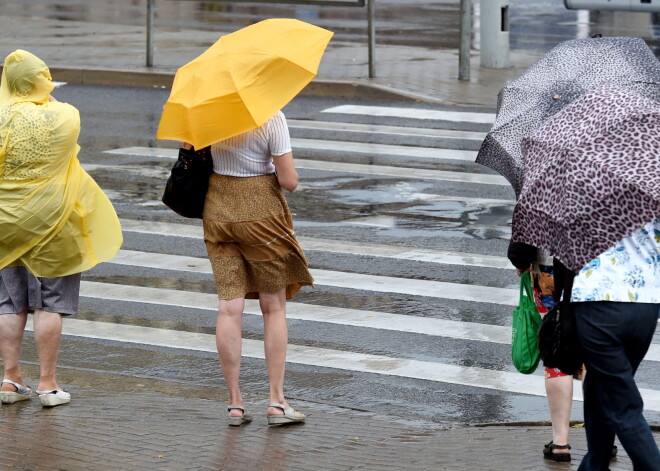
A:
[(241, 81)]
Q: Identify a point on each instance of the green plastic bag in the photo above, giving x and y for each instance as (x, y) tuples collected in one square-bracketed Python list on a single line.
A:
[(526, 323)]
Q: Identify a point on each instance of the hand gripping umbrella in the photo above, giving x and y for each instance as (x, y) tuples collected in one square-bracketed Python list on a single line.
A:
[(241, 81), (591, 175), (562, 75)]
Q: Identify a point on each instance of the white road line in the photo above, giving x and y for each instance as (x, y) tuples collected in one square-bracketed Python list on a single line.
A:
[(336, 359), (157, 152), (305, 312), (334, 246), (384, 149), (416, 113), (402, 172), (316, 313), (389, 130), (337, 279), (148, 171), (380, 170), (335, 146)]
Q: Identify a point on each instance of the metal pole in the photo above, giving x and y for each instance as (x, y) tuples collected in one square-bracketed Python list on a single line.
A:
[(371, 9), (466, 36), (150, 33)]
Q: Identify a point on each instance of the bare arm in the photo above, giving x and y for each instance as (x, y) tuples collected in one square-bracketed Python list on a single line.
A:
[(286, 171)]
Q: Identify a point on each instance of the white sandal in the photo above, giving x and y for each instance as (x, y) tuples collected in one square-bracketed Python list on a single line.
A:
[(239, 420), (53, 398), (22, 393), (290, 416)]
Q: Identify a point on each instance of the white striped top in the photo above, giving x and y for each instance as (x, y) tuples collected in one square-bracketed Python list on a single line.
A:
[(251, 153)]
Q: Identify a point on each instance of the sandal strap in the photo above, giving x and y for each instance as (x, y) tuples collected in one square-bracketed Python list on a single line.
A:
[(232, 407), (554, 446), (276, 404), (20, 389)]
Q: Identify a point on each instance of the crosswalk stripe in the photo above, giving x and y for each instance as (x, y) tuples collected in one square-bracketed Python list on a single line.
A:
[(336, 359), (402, 172), (385, 284), (335, 146), (316, 313), (344, 247), (416, 113), (306, 312), (351, 128), (324, 165), (384, 149)]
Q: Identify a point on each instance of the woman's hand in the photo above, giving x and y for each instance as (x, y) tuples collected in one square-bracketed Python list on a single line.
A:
[(187, 145), (286, 171), (51, 98), (520, 271)]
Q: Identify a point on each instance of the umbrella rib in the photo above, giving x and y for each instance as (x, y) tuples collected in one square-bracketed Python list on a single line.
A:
[(238, 91)]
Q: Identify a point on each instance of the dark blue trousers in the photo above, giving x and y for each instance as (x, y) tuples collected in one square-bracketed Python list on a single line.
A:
[(615, 337)]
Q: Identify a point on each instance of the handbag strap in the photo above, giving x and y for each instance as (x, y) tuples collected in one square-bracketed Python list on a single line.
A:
[(563, 279), (526, 285)]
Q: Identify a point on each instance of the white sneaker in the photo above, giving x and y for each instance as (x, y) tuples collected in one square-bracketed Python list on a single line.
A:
[(53, 398)]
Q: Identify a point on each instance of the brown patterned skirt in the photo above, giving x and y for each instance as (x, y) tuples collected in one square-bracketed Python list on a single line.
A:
[(250, 240)]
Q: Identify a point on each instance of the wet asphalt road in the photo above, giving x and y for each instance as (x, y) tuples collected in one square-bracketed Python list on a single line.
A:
[(348, 207)]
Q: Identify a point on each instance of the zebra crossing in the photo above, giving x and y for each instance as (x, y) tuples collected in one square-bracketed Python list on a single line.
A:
[(458, 287)]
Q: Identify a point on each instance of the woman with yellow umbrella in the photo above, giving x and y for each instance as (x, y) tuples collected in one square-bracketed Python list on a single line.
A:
[(230, 98), (54, 220)]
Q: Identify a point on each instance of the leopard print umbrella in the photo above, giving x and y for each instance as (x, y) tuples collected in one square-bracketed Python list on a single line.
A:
[(592, 175), (554, 81)]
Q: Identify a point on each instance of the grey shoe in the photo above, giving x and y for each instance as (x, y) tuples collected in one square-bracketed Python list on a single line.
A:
[(240, 420), (291, 416)]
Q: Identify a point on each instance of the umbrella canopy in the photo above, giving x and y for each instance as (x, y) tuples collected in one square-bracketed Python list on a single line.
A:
[(562, 75), (592, 175), (242, 80)]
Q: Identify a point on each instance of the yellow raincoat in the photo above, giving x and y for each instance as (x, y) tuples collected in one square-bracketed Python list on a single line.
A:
[(54, 218)]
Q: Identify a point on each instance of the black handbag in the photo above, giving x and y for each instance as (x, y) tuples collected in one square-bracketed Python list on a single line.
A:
[(186, 187), (559, 345)]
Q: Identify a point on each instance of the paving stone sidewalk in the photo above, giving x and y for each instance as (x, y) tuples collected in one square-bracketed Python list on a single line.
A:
[(138, 425)]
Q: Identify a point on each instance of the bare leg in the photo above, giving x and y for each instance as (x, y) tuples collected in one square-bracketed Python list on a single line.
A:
[(229, 342), (560, 400), (276, 338), (47, 335), (12, 327)]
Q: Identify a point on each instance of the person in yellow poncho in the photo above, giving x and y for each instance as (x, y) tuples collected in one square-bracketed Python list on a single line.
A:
[(55, 222)]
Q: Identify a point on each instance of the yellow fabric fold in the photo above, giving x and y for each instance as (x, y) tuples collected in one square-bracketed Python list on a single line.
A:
[(54, 218)]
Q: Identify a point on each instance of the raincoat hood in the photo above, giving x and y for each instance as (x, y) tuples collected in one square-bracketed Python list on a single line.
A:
[(54, 218), (25, 77)]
